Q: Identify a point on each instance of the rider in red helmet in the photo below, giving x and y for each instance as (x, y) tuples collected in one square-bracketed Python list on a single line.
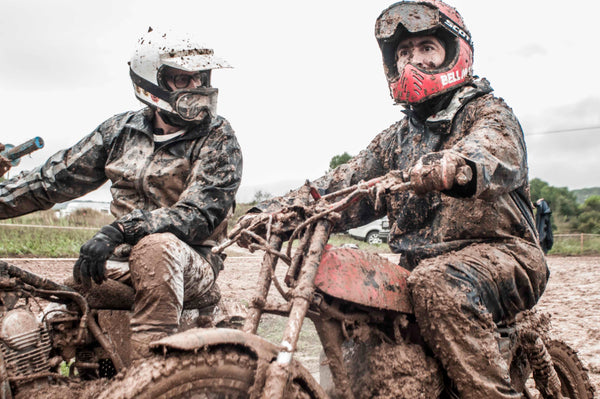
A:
[(472, 250), (414, 83)]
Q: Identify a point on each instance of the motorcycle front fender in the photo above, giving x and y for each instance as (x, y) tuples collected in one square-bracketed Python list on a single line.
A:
[(200, 338), (204, 338)]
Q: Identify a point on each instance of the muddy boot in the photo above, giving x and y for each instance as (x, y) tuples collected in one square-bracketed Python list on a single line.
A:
[(140, 344)]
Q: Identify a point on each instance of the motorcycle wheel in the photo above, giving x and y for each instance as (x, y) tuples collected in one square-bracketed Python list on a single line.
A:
[(218, 373), (573, 376), (574, 379)]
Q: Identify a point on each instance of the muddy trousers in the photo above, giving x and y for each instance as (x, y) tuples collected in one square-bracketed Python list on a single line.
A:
[(165, 272), (458, 298)]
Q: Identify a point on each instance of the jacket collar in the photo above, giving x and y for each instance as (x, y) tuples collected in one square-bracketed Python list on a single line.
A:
[(142, 121), (442, 121)]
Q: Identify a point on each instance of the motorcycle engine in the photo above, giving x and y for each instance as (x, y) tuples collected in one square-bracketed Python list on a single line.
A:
[(24, 342)]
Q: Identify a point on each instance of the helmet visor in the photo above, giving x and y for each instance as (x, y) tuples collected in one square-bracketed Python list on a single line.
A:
[(193, 60), (414, 17)]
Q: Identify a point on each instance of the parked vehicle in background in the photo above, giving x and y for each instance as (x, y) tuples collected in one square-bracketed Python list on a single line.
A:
[(375, 232)]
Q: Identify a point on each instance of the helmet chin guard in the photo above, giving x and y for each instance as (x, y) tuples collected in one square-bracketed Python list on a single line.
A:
[(159, 51), (413, 85), (187, 106)]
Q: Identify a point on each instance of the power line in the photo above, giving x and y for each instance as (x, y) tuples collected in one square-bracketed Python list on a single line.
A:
[(579, 129)]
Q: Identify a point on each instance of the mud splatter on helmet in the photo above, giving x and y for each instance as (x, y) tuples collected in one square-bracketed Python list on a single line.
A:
[(158, 52), (405, 19)]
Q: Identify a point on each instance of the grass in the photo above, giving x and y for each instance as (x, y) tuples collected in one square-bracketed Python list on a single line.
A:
[(53, 242), (573, 245), (271, 328), (341, 239), (16, 240)]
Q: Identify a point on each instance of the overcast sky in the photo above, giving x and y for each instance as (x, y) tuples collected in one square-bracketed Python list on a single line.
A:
[(307, 82)]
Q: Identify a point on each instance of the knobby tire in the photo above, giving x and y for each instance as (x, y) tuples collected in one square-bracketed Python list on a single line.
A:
[(223, 372)]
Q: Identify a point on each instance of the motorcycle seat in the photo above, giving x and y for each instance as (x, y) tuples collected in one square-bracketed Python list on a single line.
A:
[(115, 295)]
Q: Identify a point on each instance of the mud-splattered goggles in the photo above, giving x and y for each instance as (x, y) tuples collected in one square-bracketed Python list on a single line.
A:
[(415, 18)]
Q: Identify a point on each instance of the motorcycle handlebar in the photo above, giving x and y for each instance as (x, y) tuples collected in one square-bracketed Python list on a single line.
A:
[(14, 154), (323, 206)]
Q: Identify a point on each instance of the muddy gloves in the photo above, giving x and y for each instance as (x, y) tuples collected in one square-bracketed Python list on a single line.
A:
[(261, 226), (439, 171), (93, 255), (249, 220), (4, 162)]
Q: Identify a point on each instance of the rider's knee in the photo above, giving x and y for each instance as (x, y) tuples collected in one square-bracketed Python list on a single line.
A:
[(154, 244), (431, 284), (428, 273)]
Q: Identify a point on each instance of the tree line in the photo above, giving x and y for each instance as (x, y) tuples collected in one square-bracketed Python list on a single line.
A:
[(568, 214)]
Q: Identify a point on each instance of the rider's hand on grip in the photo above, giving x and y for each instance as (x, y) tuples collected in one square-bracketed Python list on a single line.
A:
[(4, 162), (91, 264), (247, 221), (439, 171)]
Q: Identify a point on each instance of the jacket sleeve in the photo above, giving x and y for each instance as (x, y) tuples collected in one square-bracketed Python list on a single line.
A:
[(209, 195), (494, 147), (370, 163), (66, 175)]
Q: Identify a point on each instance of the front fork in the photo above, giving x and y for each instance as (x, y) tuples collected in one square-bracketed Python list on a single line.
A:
[(332, 338), (279, 371)]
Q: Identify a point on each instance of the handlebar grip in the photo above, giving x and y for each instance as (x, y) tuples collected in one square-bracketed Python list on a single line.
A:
[(21, 150), (464, 174)]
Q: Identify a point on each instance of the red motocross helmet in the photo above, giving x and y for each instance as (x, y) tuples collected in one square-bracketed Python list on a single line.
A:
[(404, 19)]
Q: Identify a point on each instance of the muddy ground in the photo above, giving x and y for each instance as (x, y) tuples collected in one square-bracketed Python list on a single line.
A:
[(572, 298)]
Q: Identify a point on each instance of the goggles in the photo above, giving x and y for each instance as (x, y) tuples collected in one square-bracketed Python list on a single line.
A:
[(415, 18), (182, 81)]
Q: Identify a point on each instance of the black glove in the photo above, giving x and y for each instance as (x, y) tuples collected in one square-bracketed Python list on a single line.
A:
[(93, 255)]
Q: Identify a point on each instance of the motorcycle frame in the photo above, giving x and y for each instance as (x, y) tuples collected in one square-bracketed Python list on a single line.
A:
[(301, 297)]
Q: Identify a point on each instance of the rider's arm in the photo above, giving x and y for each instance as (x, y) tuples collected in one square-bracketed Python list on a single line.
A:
[(205, 201), (494, 147), (66, 175)]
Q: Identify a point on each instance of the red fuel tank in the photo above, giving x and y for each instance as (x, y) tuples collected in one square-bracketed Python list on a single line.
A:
[(363, 278)]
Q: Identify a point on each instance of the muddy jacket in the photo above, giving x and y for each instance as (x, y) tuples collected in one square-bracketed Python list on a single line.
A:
[(184, 186), (495, 207)]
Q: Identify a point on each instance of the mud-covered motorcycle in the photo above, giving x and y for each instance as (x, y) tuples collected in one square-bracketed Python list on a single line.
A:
[(51, 332), (359, 304)]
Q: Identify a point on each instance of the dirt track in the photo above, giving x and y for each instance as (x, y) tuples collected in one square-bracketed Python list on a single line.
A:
[(572, 296)]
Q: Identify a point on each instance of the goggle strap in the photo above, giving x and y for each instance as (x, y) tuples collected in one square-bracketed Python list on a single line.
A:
[(148, 86), (455, 29)]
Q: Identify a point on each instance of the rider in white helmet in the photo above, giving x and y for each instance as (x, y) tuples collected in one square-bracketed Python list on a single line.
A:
[(174, 168), (186, 100)]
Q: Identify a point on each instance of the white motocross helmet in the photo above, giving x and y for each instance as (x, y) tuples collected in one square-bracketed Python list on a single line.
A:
[(158, 52)]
